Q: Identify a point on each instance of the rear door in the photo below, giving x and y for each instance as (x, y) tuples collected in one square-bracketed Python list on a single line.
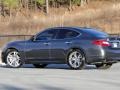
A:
[(60, 45)]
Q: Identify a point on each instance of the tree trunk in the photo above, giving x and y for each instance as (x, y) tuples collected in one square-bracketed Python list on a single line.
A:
[(70, 5), (83, 2), (2, 8), (47, 6)]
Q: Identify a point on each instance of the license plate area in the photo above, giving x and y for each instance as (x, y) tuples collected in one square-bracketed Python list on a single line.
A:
[(115, 41), (115, 45)]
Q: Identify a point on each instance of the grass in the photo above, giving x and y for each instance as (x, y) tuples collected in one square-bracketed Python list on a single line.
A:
[(100, 14)]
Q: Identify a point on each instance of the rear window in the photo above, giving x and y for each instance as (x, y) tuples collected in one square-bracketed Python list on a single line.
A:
[(64, 33)]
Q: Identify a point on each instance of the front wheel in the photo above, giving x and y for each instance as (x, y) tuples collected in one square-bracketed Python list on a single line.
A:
[(13, 59), (103, 66), (76, 59)]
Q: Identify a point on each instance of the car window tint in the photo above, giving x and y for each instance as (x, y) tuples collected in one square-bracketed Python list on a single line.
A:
[(96, 33), (47, 35), (67, 34)]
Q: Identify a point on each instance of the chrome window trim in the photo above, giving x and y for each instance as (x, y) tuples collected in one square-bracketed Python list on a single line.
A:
[(57, 34)]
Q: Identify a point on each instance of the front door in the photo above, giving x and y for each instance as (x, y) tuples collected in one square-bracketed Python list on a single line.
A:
[(39, 49)]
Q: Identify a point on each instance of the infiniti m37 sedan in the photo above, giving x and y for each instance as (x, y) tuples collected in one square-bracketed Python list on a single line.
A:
[(75, 46)]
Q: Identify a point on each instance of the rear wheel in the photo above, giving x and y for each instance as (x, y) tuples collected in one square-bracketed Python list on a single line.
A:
[(39, 65), (103, 66), (76, 59), (13, 59)]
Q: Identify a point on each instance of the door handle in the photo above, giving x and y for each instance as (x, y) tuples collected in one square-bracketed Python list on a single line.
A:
[(46, 43), (68, 42)]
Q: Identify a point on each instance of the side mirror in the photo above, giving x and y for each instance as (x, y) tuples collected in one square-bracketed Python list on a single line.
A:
[(33, 38)]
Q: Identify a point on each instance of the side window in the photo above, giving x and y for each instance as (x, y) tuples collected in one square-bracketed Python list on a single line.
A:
[(67, 34), (47, 35)]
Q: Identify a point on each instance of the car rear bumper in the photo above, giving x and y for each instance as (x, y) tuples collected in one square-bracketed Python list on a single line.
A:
[(113, 54), (105, 55)]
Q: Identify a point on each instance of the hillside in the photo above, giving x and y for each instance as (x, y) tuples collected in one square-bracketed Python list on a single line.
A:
[(100, 14)]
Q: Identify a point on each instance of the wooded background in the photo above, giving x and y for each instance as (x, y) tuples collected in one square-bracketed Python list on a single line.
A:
[(28, 17), (32, 16), (7, 7)]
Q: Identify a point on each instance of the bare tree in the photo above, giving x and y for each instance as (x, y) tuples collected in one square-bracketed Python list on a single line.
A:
[(83, 2), (1, 8), (47, 6)]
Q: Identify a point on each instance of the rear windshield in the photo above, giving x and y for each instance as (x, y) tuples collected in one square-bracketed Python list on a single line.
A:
[(96, 33)]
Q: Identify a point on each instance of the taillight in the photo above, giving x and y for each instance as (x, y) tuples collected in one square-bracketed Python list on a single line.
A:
[(103, 43)]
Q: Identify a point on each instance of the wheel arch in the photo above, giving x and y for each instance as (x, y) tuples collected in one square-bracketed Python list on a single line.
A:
[(7, 50), (11, 48)]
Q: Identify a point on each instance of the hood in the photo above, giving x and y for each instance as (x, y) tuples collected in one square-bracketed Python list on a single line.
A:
[(21, 42)]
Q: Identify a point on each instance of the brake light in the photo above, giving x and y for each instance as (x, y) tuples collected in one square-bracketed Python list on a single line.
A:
[(103, 43)]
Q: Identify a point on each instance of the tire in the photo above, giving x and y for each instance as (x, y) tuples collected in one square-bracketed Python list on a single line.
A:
[(103, 66), (76, 60), (39, 65), (13, 59)]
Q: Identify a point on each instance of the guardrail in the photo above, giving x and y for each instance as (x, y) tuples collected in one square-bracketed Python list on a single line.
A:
[(15, 35), (115, 35)]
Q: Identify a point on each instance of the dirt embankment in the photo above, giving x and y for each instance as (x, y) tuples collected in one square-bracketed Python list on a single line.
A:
[(104, 15)]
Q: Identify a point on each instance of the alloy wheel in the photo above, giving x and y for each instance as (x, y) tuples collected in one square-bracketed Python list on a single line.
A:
[(76, 60), (13, 59)]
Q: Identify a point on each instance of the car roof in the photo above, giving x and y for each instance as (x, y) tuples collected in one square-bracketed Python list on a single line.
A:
[(79, 28), (84, 29)]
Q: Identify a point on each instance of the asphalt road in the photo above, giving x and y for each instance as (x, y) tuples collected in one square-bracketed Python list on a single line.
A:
[(59, 77)]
